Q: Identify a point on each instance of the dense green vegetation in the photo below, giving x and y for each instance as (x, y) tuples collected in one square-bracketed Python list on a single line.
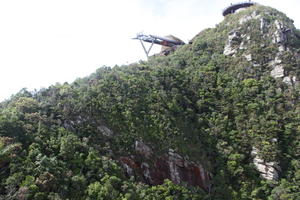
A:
[(207, 106)]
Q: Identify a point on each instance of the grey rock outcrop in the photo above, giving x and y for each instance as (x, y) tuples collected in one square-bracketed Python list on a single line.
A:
[(268, 170), (290, 80), (175, 161), (143, 149), (278, 71), (275, 32), (253, 15), (234, 39), (280, 35), (248, 57), (105, 131), (263, 26)]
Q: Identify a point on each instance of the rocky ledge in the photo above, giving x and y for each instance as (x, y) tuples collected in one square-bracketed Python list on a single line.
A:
[(153, 169)]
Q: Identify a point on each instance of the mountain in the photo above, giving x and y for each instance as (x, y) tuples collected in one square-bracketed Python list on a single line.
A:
[(219, 118)]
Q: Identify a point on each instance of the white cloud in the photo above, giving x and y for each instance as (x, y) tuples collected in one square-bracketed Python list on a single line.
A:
[(43, 42)]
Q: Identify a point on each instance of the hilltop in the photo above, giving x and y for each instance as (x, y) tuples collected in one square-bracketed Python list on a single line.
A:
[(219, 118)]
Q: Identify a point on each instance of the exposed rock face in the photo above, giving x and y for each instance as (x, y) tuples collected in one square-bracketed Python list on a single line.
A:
[(105, 131), (268, 170), (248, 57), (129, 165), (234, 39), (175, 161), (170, 166), (280, 35), (290, 80), (245, 19), (143, 149), (237, 41), (275, 33), (263, 25), (278, 71)]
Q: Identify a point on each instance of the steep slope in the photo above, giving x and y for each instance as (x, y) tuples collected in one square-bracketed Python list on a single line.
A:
[(219, 117)]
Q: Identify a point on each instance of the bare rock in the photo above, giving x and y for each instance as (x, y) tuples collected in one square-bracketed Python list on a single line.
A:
[(278, 71), (143, 149), (175, 161), (248, 57), (228, 50), (169, 166), (253, 15), (105, 131), (280, 35), (129, 165), (277, 67), (268, 170), (263, 25), (289, 80), (233, 43), (281, 48), (146, 172)]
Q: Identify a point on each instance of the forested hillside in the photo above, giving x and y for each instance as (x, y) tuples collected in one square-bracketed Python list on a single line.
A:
[(219, 119)]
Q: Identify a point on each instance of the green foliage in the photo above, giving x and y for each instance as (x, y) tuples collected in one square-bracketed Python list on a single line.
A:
[(63, 142), (170, 191)]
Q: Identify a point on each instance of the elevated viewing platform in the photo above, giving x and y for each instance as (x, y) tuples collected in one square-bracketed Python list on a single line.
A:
[(168, 43), (234, 7)]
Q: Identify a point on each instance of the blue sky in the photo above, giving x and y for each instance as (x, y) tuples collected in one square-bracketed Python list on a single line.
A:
[(43, 42)]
